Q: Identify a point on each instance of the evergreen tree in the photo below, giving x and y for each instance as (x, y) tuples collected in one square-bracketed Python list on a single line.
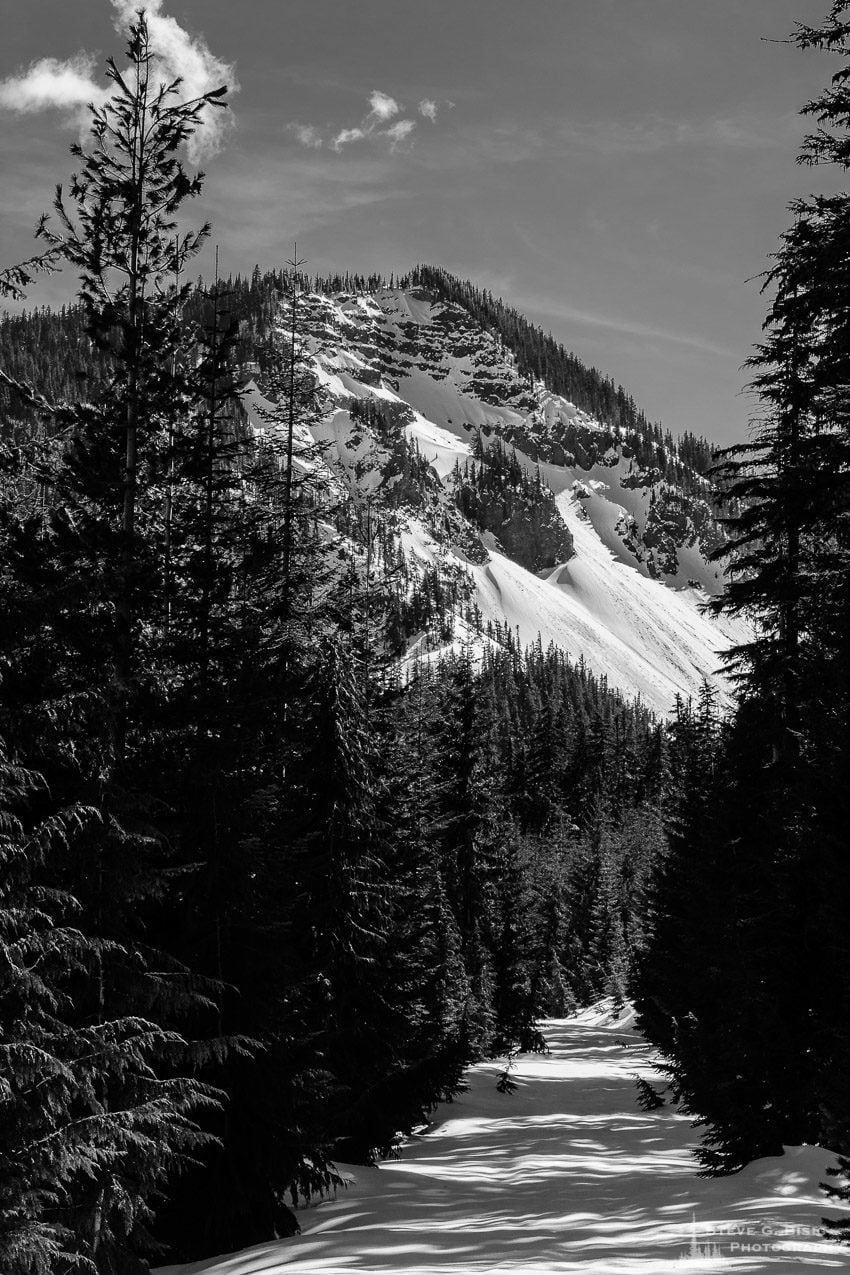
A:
[(80, 586), (755, 857)]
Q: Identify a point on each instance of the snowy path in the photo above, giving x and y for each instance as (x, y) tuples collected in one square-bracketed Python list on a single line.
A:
[(566, 1174)]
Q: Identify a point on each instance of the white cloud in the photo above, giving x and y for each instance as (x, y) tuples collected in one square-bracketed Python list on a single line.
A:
[(348, 135), (374, 124), (48, 82), (69, 85), (307, 134), (399, 131), (189, 58), (383, 107)]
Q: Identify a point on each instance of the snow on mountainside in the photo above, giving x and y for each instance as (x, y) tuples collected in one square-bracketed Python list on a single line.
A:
[(553, 523)]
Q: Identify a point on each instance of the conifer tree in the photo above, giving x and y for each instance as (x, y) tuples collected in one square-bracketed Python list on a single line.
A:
[(339, 904), (80, 589), (754, 855)]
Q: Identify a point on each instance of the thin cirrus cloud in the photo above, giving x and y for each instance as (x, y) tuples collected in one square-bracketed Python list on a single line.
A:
[(656, 134), (572, 314), (69, 85), (380, 123)]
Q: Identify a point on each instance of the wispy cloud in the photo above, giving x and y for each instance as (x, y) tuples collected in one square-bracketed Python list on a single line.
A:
[(587, 318), (69, 85), (400, 130), (307, 135), (375, 125), (654, 134), (307, 191), (382, 108), (346, 135)]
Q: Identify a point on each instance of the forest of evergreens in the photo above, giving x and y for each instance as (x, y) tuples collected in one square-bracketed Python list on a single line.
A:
[(264, 895), (262, 900), (745, 983)]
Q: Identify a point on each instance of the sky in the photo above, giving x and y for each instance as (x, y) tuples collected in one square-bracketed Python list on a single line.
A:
[(618, 170)]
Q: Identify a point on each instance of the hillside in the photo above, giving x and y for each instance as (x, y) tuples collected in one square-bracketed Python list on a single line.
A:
[(587, 535), (531, 484)]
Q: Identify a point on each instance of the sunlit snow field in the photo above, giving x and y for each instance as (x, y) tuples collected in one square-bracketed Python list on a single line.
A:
[(566, 1174)]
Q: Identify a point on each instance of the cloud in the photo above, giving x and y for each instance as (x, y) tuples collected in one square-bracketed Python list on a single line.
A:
[(69, 84), (646, 331), (400, 130), (348, 135), (383, 107), (307, 189), (50, 82), (189, 58), (374, 125), (654, 134), (308, 135)]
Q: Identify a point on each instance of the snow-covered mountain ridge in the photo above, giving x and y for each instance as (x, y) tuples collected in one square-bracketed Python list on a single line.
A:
[(552, 523)]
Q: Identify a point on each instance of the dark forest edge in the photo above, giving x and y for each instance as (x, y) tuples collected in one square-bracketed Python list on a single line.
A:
[(263, 899), (745, 983)]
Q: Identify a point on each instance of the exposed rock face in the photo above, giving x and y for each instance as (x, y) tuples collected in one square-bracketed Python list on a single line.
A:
[(419, 355), (498, 494), (536, 538)]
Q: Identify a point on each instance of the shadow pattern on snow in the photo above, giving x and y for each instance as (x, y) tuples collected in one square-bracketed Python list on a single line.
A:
[(566, 1174)]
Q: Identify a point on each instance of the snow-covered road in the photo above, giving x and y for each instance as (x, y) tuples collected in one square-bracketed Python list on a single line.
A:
[(566, 1174)]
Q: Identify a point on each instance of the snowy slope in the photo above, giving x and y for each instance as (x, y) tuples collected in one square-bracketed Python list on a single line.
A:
[(443, 379), (645, 638), (565, 1175)]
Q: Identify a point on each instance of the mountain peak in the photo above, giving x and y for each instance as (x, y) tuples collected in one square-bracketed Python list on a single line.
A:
[(446, 408)]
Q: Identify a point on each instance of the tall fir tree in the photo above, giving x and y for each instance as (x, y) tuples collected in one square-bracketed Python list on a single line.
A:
[(80, 580), (751, 892)]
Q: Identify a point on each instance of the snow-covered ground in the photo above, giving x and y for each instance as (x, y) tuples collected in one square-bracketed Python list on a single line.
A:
[(565, 1175)]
